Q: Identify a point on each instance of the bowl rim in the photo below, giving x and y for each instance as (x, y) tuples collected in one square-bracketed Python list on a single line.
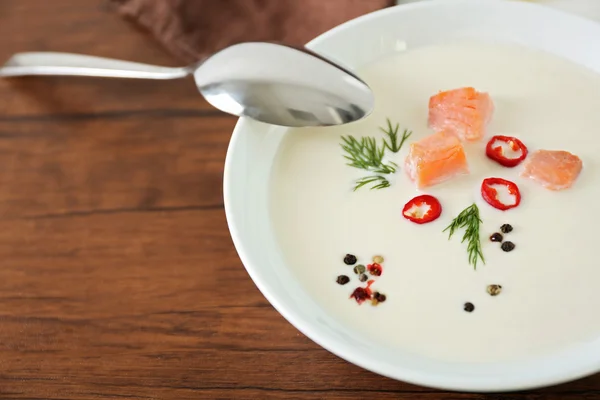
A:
[(403, 373)]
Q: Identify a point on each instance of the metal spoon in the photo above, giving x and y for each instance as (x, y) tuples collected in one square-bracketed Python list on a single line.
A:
[(267, 82)]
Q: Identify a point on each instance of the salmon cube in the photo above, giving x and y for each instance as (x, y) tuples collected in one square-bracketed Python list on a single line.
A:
[(553, 169), (463, 112), (435, 159)]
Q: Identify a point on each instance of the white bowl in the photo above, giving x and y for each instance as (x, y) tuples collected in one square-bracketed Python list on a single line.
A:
[(253, 147)]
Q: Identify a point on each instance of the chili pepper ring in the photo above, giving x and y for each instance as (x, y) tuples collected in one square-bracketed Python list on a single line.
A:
[(490, 195), (496, 152), (412, 210)]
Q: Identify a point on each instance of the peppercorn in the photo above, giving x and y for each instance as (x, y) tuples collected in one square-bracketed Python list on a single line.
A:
[(496, 237), (363, 277), (494, 290), (469, 307), (342, 279), (349, 259), (379, 297), (506, 228), (507, 246), (359, 269), (377, 259), (375, 269)]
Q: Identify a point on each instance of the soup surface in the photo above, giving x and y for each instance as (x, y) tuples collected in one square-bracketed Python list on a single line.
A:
[(550, 282)]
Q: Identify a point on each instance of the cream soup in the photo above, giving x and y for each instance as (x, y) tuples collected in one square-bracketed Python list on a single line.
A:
[(550, 281)]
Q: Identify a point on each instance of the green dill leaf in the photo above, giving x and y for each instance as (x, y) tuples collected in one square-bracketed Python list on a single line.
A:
[(382, 182), (469, 218), (392, 133), (366, 154), (405, 135)]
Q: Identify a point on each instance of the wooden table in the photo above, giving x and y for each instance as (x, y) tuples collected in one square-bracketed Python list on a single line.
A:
[(118, 278)]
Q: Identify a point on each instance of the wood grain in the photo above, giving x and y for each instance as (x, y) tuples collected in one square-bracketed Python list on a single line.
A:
[(118, 277)]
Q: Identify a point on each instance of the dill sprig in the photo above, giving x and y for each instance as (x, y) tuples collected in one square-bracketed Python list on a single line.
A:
[(365, 154), (382, 182), (392, 133), (469, 218)]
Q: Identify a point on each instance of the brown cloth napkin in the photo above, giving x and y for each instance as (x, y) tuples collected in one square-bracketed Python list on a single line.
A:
[(193, 29)]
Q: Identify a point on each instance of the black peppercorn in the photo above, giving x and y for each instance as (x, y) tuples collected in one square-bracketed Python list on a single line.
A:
[(496, 237), (363, 277), (342, 279), (349, 259), (469, 307), (506, 228), (379, 297), (507, 246)]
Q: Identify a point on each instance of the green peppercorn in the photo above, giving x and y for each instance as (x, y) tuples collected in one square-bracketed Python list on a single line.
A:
[(494, 290), (363, 277), (350, 259), (378, 259), (359, 269)]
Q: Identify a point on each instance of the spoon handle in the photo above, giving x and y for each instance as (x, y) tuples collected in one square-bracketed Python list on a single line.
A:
[(66, 64)]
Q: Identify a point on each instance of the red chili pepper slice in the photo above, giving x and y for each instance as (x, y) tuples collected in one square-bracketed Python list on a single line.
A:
[(490, 194), (413, 210), (496, 152)]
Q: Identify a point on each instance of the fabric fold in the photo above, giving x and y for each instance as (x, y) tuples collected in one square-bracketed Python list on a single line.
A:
[(194, 29)]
